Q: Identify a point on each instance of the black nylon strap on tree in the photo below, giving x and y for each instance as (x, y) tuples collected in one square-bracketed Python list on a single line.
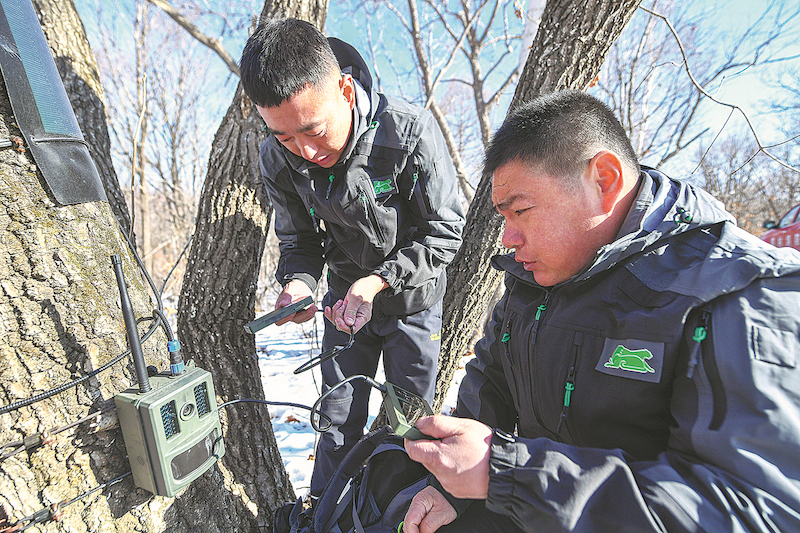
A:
[(42, 109)]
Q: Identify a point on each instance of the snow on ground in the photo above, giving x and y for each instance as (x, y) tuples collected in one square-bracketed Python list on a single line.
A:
[(280, 350)]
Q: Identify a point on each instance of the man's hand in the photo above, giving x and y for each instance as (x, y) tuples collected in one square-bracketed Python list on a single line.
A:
[(355, 309), (429, 511), (460, 459), (293, 291)]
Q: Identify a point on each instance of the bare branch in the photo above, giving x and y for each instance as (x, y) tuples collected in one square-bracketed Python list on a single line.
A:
[(734, 107), (195, 32)]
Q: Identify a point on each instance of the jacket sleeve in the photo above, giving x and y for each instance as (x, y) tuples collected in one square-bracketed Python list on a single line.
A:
[(731, 461), (430, 181), (300, 242)]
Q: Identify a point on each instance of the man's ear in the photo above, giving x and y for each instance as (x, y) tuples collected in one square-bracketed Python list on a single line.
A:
[(607, 170), (348, 90)]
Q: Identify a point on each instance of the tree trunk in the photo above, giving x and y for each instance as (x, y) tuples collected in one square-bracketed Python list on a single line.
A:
[(568, 51), (59, 319), (218, 298), (78, 68)]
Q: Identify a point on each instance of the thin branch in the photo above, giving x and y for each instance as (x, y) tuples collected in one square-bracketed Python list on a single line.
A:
[(195, 32), (734, 107)]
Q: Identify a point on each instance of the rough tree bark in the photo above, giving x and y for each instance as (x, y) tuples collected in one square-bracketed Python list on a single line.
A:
[(218, 297), (570, 46), (60, 319), (78, 68)]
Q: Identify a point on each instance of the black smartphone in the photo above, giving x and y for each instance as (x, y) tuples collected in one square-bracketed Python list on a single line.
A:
[(282, 312)]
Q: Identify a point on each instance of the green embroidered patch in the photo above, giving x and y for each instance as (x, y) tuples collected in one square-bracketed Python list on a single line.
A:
[(631, 360), (382, 186)]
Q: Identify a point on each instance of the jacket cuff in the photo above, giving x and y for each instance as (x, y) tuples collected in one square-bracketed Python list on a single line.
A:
[(308, 279), (502, 463), (458, 504), (395, 284)]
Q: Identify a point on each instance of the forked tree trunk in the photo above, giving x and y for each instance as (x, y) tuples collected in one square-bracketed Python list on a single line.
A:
[(218, 298), (567, 53)]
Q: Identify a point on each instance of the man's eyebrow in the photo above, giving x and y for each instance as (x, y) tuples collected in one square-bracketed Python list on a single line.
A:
[(303, 129), (507, 203)]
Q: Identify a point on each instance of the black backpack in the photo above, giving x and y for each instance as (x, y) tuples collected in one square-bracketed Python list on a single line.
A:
[(369, 493)]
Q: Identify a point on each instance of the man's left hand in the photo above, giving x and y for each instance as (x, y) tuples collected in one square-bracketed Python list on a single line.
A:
[(459, 459), (355, 309)]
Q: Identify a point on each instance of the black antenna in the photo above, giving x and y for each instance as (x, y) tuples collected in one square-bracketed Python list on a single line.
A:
[(130, 326)]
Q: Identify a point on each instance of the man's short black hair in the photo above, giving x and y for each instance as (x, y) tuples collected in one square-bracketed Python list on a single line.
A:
[(559, 133), (281, 58)]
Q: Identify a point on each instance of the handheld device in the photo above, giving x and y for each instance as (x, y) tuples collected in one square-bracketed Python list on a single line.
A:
[(403, 409), (282, 312), (170, 423)]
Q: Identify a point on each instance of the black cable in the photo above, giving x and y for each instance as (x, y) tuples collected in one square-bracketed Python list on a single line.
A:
[(186, 247), (315, 409), (52, 392), (154, 290), (54, 511), (285, 404), (324, 356)]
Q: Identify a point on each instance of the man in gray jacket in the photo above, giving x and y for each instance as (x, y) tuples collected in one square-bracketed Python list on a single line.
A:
[(363, 183), (641, 371)]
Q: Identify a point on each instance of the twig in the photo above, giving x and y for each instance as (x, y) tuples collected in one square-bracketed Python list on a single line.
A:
[(195, 32), (734, 107)]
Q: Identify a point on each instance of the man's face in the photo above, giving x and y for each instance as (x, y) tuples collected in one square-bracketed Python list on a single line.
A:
[(552, 227), (315, 123)]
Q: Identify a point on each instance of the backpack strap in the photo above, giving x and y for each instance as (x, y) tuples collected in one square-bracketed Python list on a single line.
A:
[(347, 469)]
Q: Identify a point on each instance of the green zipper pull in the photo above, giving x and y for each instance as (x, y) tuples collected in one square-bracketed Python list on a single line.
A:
[(506, 338), (540, 310), (700, 334), (569, 387), (314, 218), (330, 185)]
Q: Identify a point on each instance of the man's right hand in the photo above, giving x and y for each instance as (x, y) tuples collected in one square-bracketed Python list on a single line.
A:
[(294, 291), (429, 511)]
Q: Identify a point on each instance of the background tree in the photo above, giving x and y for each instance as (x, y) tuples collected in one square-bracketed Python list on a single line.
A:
[(160, 131), (567, 52), (645, 82), (219, 289)]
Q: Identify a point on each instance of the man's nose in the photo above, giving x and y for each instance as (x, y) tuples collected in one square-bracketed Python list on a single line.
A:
[(307, 151), (511, 237)]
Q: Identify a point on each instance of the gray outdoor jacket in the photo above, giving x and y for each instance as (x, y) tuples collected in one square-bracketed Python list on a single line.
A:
[(657, 390), (389, 207)]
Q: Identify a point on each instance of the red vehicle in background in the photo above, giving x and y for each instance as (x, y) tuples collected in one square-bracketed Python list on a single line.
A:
[(786, 232)]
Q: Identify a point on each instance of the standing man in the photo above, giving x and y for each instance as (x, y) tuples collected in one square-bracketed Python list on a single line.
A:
[(363, 183), (640, 373)]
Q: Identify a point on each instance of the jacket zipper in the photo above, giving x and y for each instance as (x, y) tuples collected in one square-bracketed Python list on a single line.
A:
[(371, 216), (534, 332), (700, 334), (720, 402), (569, 382)]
